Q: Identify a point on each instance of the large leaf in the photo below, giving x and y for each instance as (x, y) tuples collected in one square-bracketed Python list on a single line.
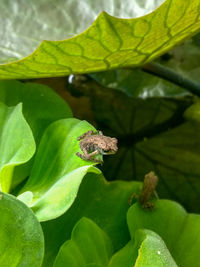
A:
[(184, 59), (21, 242), (88, 245), (147, 249), (111, 42), (137, 83), (20, 35), (57, 171), (38, 102), (154, 134), (179, 230), (106, 203), (17, 144)]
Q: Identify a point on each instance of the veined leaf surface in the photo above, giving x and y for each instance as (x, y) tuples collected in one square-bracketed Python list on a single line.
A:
[(111, 43)]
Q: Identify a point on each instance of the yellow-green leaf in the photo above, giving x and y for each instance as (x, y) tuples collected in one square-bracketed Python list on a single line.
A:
[(111, 43)]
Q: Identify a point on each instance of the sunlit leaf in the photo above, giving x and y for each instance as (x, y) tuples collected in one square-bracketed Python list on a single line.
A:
[(21, 242), (184, 59), (88, 245), (57, 171), (17, 144), (20, 35), (111, 43), (178, 229), (106, 203), (146, 249), (38, 103)]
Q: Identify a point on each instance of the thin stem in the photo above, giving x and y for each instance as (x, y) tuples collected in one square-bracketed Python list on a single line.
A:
[(172, 76)]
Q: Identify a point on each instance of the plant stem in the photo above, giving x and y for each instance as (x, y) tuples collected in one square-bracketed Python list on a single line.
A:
[(172, 76)]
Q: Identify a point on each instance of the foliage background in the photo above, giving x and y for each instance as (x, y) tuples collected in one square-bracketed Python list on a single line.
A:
[(156, 122)]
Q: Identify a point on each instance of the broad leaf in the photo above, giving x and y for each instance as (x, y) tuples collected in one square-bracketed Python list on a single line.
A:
[(57, 171), (111, 43), (38, 102), (179, 230), (137, 83), (104, 202), (17, 144), (183, 59), (154, 134), (20, 35), (88, 245), (147, 249), (21, 242)]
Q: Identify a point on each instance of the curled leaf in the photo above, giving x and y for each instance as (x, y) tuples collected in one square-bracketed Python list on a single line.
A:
[(17, 144)]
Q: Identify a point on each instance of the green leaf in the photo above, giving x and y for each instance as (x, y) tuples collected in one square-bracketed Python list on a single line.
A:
[(103, 202), (179, 230), (137, 83), (20, 35), (57, 171), (38, 102), (17, 144), (21, 242), (184, 59), (88, 245), (154, 134), (147, 249), (111, 43)]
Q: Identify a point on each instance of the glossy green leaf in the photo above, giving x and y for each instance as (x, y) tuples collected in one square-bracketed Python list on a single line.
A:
[(20, 35), (111, 43), (146, 249), (179, 230), (57, 171), (38, 102), (17, 144), (137, 83), (88, 245), (21, 242), (41, 105), (106, 203)]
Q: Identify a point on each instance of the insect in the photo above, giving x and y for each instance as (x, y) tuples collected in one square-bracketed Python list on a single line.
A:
[(93, 144)]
